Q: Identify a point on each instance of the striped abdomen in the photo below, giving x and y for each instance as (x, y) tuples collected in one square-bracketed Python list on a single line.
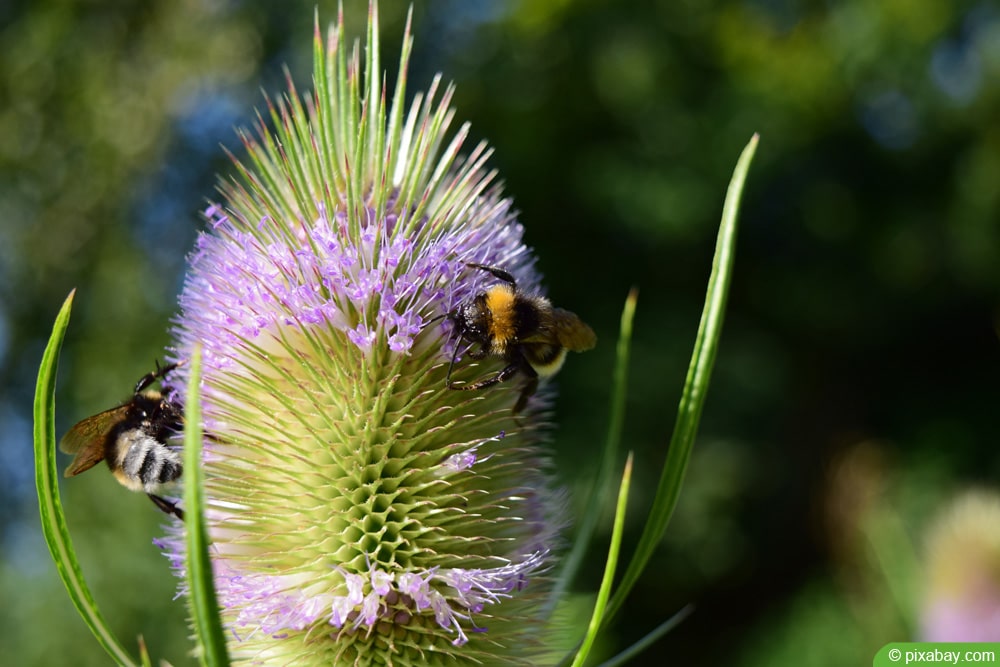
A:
[(143, 462)]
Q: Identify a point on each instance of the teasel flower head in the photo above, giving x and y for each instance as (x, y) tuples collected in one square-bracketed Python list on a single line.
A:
[(360, 511), (962, 598)]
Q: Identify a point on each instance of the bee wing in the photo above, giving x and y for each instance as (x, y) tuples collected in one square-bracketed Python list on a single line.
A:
[(571, 332), (87, 440)]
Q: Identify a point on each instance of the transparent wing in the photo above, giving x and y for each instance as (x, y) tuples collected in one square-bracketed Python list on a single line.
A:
[(571, 332), (87, 440)]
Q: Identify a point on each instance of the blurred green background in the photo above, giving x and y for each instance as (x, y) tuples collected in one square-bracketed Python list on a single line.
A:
[(856, 387)]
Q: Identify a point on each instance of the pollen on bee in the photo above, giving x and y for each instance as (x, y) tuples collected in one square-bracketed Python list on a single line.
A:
[(500, 303)]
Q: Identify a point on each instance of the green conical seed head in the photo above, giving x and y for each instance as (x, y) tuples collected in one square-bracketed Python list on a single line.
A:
[(363, 510)]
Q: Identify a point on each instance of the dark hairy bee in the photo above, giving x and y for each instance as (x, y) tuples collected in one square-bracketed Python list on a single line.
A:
[(524, 330), (132, 439)]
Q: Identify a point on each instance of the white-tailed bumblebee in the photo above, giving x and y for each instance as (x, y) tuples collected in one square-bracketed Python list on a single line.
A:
[(524, 330), (132, 439)]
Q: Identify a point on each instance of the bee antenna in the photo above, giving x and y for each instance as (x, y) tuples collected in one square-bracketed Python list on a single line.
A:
[(434, 319), (496, 271), (150, 378), (451, 364)]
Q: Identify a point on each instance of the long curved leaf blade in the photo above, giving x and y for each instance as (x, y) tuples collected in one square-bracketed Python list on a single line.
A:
[(695, 386), (204, 606), (49, 504), (606, 469), (609, 568), (649, 639)]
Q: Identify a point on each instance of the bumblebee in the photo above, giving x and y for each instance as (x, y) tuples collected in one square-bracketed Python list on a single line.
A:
[(524, 330), (132, 439)]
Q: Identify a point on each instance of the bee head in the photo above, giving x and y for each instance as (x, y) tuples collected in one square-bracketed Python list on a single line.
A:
[(471, 320), (145, 404)]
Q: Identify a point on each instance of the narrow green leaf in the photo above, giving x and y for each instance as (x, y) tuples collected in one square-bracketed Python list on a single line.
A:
[(606, 467), (647, 641), (144, 653), (49, 504), (609, 568), (203, 605), (695, 386), (890, 546)]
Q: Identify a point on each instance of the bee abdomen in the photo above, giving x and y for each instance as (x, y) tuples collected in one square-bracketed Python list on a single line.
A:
[(149, 463), (546, 360)]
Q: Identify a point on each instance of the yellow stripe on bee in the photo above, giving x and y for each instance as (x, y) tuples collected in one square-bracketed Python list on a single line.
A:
[(500, 303), (552, 367)]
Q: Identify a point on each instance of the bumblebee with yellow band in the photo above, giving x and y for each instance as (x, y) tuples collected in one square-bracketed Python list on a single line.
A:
[(524, 330)]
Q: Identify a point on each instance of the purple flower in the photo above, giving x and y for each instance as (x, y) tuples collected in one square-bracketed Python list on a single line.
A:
[(962, 596), (360, 511)]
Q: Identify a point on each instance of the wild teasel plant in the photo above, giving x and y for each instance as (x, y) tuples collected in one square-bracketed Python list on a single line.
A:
[(356, 505), (343, 504)]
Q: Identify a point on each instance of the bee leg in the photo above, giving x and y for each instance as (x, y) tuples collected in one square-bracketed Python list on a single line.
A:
[(499, 273), (166, 506), (474, 354), (504, 375), (530, 387)]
